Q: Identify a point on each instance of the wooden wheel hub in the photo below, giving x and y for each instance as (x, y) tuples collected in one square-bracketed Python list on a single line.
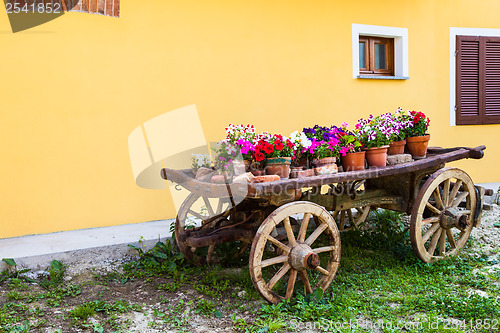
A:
[(302, 257), (453, 217)]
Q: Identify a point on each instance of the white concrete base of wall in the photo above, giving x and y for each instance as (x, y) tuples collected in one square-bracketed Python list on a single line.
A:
[(83, 246), (494, 187)]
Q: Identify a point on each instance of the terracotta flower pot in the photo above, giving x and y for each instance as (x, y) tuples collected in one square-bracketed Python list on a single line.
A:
[(417, 145), (377, 156), (300, 172), (278, 166), (239, 167), (324, 161), (354, 161), (257, 168), (396, 147)]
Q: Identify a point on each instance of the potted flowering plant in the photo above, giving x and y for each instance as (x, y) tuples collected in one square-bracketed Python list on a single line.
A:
[(200, 161), (418, 138), (353, 158), (278, 152), (243, 138), (324, 148), (402, 122), (226, 153), (375, 134), (302, 144)]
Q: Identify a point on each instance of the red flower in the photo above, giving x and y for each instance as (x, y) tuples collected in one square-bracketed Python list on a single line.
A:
[(259, 156), (289, 144), (278, 145)]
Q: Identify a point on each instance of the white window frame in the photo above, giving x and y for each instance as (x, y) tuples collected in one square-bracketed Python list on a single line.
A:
[(454, 32), (400, 36)]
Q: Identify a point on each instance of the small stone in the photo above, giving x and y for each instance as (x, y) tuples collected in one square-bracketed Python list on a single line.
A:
[(398, 159), (242, 293), (218, 179), (326, 169), (244, 178), (204, 174)]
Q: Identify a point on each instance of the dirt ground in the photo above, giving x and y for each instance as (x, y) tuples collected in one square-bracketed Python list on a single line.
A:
[(168, 308)]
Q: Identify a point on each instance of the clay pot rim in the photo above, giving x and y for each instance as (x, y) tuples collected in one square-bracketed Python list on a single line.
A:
[(418, 138), (374, 148), (357, 152)]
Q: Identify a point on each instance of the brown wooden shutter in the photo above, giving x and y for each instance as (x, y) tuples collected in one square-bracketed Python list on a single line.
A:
[(492, 80), (468, 99)]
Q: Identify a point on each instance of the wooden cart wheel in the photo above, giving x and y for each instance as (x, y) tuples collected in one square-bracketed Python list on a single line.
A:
[(194, 212), (311, 253), (439, 225), (351, 218)]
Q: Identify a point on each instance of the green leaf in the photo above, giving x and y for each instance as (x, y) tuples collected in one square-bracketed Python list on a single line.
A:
[(136, 248), (159, 255), (9, 261), (57, 265), (218, 314), (318, 293)]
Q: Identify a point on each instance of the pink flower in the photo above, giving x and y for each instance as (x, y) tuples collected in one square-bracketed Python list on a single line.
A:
[(344, 151), (344, 124)]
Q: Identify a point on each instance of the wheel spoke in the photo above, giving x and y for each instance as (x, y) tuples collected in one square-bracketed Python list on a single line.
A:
[(192, 212), (291, 283), (316, 233), (454, 191), (451, 239), (432, 219), (434, 242), (303, 227), (437, 196), (278, 243), (305, 281), (282, 271), (431, 207), (274, 261), (432, 230), (442, 245), (322, 270), (289, 231), (209, 206), (446, 192), (220, 204), (324, 249), (459, 199)]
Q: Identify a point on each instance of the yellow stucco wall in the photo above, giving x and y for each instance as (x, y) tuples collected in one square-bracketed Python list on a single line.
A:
[(73, 89)]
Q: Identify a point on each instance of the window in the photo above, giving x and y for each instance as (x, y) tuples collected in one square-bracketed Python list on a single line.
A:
[(379, 52), (376, 55), (477, 80)]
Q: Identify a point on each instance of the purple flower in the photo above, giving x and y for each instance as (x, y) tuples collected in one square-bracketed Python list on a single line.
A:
[(372, 135)]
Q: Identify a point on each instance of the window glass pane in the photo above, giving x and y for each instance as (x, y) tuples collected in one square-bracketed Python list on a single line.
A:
[(380, 56), (362, 55)]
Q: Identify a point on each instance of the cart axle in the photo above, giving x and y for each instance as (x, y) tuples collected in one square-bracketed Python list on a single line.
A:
[(302, 257)]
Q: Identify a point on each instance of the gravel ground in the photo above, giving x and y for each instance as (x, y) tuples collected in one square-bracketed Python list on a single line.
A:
[(485, 240)]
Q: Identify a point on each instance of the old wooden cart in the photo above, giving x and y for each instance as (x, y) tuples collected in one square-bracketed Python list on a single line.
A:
[(293, 225)]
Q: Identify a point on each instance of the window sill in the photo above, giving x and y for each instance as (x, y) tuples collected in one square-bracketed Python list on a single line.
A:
[(382, 77)]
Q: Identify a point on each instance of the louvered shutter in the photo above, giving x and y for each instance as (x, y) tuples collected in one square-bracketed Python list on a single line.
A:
[(492, 80), (468, 99)]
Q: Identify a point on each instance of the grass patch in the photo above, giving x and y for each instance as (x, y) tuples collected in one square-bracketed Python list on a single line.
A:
[(379, 282)]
